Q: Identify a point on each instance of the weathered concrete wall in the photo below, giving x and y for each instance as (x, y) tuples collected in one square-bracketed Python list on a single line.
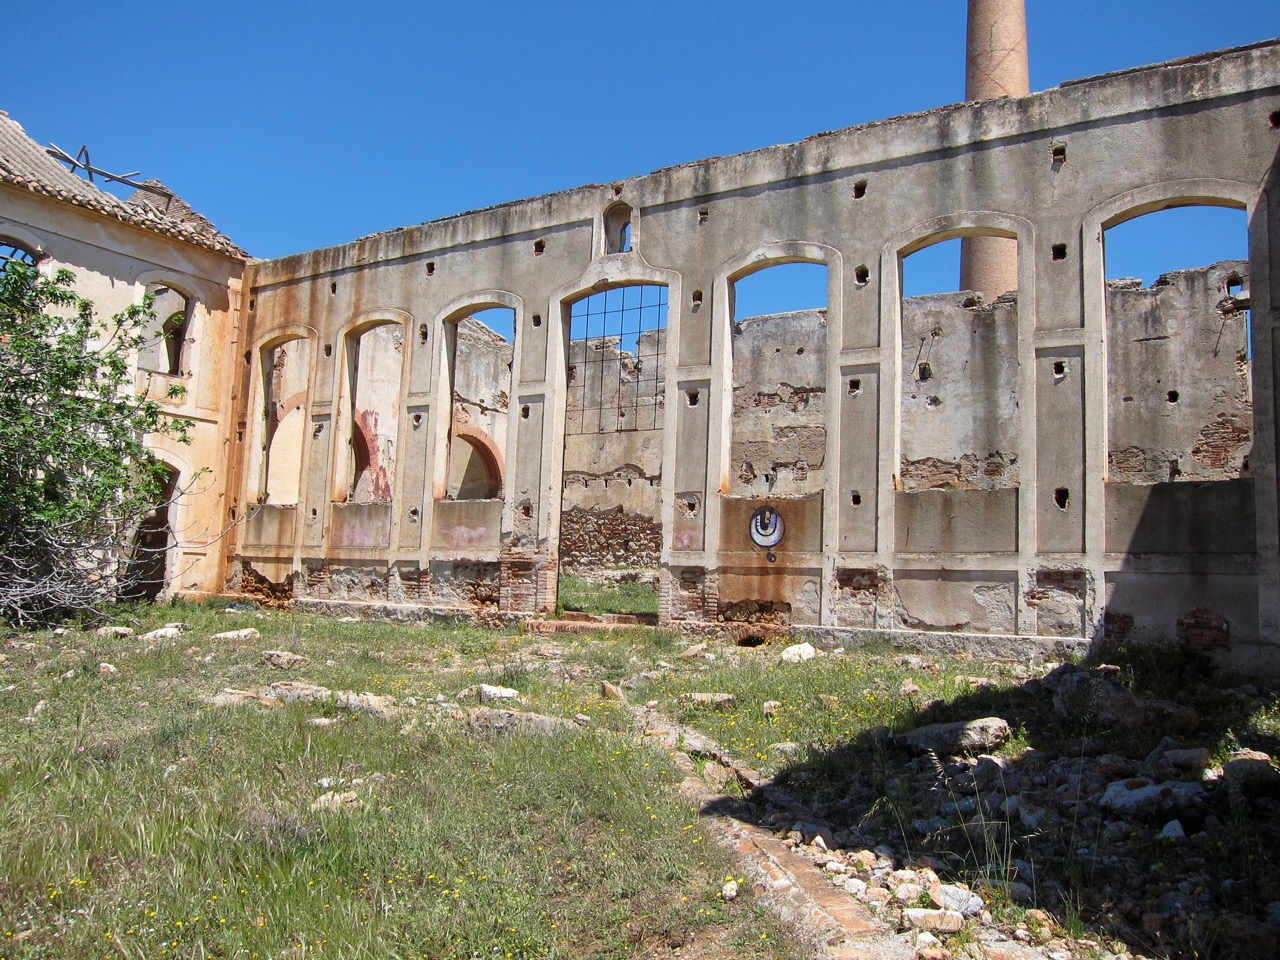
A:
[(1178, 398), (959, 416), (986, 498), (778, 440), (611, 487)]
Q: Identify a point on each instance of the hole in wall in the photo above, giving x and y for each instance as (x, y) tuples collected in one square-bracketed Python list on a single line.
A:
[(537, 319), (333, 287), (703, 216), (617, 189), (924, 372), (417, 420), (1059, 153), (697, 299), (1059, 368), (859, 189), (855, 386), (861, 274), (1062, 497), (799, 351), (526, 510), (691, 396), (423, 333), (431, 268), (1274, 119), (933, 403), (317, 430), (1172, 396), (970, 303), (253, 304), (414, 514), (539, 247), (328, 349), (856, 498), (239, 436), (248, 358), (617, 228), (1235, 285), (314, 513), (1058, 251), (524, 412)]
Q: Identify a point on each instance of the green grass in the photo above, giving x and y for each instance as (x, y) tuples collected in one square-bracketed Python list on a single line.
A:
[(631, 597), (138, 821), (821, 703)]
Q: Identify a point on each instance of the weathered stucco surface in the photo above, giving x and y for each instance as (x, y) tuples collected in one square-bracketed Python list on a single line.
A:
[(1016, 466), (1068, 459)]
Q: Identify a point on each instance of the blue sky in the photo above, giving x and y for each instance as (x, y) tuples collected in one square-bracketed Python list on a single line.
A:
[(299, 125)]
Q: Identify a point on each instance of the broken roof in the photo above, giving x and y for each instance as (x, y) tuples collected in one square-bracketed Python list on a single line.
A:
[(26, 164)]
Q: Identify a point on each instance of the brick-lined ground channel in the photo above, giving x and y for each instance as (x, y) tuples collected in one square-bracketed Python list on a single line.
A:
[(837, 925)]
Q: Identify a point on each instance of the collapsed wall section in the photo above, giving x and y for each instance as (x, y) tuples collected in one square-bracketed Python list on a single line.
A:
[(1180, 438), (611, 506)]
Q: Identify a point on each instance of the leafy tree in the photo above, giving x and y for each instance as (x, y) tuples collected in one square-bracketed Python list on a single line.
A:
[(76, 480)]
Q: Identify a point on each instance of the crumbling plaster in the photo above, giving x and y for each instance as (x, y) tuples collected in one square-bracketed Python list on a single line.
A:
[(858, 201)]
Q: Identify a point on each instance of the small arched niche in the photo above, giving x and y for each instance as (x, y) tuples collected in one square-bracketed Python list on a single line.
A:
[(474, 471), (617, 228)]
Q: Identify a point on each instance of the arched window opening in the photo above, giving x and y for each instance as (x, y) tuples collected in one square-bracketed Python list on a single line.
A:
[(1180, 396), (778, 433), (167, 353), (11, 251), (373, 369), (959, 389), (146, 573), (473, 473), (611, 500), (1180, 424), (617, 229), (479, 366), (286, 370)]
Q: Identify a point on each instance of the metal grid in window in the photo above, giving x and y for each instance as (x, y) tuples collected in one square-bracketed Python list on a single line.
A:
[(617, 347), (11, 252)]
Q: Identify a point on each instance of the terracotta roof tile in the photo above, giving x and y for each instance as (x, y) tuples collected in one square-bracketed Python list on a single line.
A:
[(26, 164)]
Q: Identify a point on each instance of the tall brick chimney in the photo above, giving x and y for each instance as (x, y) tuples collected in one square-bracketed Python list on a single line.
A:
[(995, 66)]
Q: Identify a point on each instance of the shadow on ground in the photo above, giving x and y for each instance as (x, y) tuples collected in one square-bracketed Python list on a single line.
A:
[(1078, 816)]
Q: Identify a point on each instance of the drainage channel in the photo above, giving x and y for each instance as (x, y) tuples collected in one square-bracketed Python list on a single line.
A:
[(835, 923)]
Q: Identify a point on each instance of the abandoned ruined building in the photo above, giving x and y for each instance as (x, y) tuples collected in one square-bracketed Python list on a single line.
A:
[(446, 416)]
